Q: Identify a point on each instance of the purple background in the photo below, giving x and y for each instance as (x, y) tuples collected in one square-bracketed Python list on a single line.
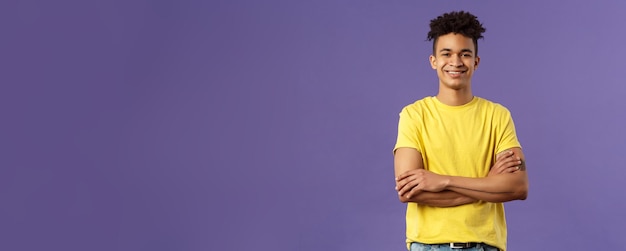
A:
[(228, 125)]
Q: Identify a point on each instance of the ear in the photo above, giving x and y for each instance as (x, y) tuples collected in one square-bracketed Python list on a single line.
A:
[(432, 61), (476, 62)]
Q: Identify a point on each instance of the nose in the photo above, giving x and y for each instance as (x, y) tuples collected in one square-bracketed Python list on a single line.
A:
[(456, 61)]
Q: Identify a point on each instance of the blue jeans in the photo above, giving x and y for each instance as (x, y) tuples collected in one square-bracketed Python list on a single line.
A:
[(446, 247)]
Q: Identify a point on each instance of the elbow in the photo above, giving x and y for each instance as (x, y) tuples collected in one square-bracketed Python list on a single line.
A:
[(521, 189), (522, 192), (522, 195), (403, 199)]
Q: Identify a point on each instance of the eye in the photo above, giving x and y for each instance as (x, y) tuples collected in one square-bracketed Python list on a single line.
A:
[(467, 55), (445, 54)]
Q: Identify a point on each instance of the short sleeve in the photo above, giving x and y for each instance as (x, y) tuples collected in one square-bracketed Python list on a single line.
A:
[(506, 131), (407, 130)]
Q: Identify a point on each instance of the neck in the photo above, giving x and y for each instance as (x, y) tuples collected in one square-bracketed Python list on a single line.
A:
[(455, 97)]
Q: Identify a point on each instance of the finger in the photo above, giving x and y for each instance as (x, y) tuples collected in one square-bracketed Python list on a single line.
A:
[(509, 163), (504, 154), (408, 187), (404, 175), (414, 191), (506, 159), (403, 183), (513, 162), (501, 165), (505, 166), (511, 169)]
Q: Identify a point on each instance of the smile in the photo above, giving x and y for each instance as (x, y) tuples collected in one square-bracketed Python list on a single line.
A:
[(455, 73)]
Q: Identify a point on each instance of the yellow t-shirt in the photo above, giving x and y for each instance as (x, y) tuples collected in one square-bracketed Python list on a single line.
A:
[(459, 141)]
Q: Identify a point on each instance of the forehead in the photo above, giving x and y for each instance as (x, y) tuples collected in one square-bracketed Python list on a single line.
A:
[(455, 42)]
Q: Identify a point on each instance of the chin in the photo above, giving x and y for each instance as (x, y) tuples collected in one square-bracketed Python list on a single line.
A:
[(457, 86)]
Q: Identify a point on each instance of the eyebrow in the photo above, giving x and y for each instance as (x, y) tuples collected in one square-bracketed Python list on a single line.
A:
[(463, 50)]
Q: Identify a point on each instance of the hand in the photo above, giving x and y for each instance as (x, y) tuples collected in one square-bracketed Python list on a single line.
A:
[(506, 162), (415, 181)]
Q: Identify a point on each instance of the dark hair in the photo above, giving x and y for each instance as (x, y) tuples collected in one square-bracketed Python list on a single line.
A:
[(461, 22)]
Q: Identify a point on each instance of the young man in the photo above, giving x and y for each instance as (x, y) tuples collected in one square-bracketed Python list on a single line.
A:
[(457, 157)]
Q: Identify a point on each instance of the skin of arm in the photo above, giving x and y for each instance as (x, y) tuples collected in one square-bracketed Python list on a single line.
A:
[(407, 159), (506, 181)]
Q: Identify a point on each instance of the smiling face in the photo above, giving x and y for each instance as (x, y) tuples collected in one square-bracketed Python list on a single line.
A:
[(455, 61)]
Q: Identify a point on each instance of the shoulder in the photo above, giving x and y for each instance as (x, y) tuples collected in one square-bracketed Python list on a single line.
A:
[(493, 107), (418, 106)]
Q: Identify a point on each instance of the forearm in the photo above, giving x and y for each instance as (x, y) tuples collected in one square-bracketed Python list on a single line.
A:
[(497, 188), (439, 199)]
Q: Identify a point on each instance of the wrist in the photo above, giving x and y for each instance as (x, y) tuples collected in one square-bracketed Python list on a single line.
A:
[(447, 181)]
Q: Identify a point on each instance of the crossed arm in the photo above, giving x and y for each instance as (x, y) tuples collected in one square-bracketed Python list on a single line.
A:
[(507, 180)]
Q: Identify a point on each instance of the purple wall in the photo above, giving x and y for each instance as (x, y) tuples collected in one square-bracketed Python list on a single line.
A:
[(228, 125)]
